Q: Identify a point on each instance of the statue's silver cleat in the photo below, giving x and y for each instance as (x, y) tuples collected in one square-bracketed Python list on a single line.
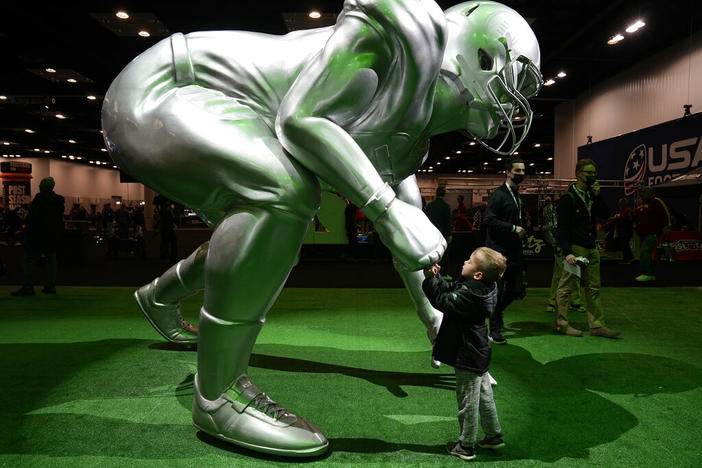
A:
[(245, 416), (165, 318)]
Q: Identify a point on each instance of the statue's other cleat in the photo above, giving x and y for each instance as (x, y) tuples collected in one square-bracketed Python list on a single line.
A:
[(245, 416), (165, 318)]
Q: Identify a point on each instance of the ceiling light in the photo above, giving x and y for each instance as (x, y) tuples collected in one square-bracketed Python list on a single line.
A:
[(50, 70), (438, 164), (472, 143), (29, 130), (79, 157), (517, 117), (561, 74), (47, 151), (144, 33), (516, 152), (71, 141), (636, 26), (103, 150), (91, 97), (71, 157), (314, 14), (498, 159), (2, 98), (549, 159), (613, 40), (63, 156), (485, 163), (531, 164), (72, 80), (458, 151), (61, 116), (549, 82), (470, 170), (46, 107), (447, 157), (37, 149), (6, 143), (122, 14), (115, 167), (537, 145), (92, 162)]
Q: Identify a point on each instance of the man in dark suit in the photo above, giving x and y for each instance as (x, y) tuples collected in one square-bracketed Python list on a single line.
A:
[(504, 220)]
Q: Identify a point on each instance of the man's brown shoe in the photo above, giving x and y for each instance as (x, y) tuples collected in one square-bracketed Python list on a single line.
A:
[(604, 332), (568, 330)]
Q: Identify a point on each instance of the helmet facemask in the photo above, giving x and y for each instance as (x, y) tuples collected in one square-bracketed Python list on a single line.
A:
[(490, 80)]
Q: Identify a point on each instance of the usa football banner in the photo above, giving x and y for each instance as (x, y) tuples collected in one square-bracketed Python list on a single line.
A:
[(649, 156)]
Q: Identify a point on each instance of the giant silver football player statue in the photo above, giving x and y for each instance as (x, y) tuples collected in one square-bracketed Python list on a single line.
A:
[(248, 128)]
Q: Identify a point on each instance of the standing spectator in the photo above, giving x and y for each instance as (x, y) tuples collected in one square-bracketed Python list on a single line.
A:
[(108, 217), (139, 221), (439, 213), (166, 228), (652, 220), (550, 229), (623, 227), (578, 210), (122, 219), (44, 225), (462, 206), (504, 220)]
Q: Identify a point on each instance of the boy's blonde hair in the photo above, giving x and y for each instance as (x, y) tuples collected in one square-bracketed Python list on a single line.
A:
[(491, 263)]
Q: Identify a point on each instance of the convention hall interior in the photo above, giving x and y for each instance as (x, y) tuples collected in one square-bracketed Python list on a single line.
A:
[(89, 377)]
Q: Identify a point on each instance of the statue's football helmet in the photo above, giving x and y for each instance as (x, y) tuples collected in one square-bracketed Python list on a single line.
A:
[(493, 57)]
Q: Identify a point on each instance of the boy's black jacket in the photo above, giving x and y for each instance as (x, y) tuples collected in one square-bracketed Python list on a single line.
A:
[(463, 340)]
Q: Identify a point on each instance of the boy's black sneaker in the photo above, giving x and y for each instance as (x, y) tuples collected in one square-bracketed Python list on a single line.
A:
[(497, 338), (457, 450), (493, 442)]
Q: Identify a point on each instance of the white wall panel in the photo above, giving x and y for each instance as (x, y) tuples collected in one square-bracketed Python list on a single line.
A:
[(647, 94)]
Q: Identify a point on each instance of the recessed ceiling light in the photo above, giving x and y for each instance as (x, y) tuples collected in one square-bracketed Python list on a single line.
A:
[(549, 159), (458, 151), (438, 164), (71, 141), (103, 150), (122, 14), (636, 26), (561, 74), (29, 130), (314, 14), (537, 145), (498, 159), (447, 157), (613, 40), (50, 70), (549, 82), (485, 163), (470, 170), (91, 97), (61, 116), (79, 157), (47, 151), (516, 152), (144, 33), (37, 149), (71, 157), (72, 80), (472, 143), (6, 143), (63, 156), (3, 97), (531, 164)]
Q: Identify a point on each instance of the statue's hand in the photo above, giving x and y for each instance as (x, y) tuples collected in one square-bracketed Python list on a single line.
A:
[(410, 236)]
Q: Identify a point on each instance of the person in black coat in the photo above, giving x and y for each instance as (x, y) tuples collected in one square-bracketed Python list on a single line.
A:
[(44, 226), (463, 343), (505, 220)]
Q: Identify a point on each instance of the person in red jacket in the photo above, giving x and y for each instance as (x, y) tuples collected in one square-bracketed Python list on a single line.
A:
[(652, 219)]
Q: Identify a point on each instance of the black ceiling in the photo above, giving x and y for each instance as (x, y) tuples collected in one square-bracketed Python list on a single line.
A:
[(72, 38)]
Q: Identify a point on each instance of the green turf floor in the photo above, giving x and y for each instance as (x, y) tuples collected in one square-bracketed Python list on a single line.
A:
[(87, 382)]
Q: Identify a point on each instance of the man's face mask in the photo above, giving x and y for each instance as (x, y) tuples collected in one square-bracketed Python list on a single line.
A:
[(517, 178)]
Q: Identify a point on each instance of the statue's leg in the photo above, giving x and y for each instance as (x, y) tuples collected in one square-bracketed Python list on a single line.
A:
[(160, 299), (250, 256), (408, 191), (206, 150)]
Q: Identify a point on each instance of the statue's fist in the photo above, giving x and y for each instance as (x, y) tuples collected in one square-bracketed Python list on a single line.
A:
[(411, 237)]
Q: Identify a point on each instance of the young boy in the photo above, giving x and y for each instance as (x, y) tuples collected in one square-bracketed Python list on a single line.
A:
[(463, 343)]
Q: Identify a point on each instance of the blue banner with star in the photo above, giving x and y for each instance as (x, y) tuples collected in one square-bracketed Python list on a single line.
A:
[(649, 156)]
